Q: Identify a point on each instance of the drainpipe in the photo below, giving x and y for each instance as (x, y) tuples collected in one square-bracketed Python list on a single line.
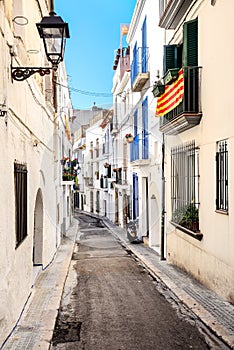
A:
[(162, 257)]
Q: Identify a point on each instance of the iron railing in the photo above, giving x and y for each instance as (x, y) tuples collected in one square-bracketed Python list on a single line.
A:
[(184, 186), (191, 103), (222, 176), (135, 153), (139, 63), (20, 176)]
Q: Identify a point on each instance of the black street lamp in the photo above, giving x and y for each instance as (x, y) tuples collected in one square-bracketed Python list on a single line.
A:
[(54, 31)]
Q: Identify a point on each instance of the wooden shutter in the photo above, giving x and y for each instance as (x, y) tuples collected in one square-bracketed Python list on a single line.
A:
[(170, 58), (190, 43)]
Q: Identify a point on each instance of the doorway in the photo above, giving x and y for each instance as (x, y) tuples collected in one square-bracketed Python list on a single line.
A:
[(37, 254)]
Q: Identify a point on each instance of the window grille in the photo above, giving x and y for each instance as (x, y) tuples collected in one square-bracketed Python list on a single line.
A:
[(184, 185), (222, 176), (20, 178)]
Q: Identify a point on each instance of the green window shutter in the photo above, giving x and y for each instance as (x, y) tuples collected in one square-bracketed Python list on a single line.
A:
[(190, 43), (170, 58)]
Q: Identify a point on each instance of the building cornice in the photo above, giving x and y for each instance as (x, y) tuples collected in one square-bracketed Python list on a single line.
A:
[(135, 20)]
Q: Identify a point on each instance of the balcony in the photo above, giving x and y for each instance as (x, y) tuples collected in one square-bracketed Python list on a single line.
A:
[(139, 150), (188, 113), (139, 69), (172, 11)]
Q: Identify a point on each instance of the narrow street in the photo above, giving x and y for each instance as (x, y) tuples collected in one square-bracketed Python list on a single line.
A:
[(111, 302)]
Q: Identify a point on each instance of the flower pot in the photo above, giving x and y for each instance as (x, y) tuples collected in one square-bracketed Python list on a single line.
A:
[(158, 90), (130, 139), (170, 76)]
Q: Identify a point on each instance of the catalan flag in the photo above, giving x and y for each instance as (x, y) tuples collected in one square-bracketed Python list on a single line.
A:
[(172, 96), (67, 128), (124, 29)]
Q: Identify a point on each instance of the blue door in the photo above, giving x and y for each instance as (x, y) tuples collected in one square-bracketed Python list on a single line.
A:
[(145, 137), (135, 196), (135, 144)]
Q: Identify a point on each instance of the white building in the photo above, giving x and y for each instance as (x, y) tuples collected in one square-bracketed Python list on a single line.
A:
[(63, 149), (199, 140), (80, 124), (145, 40), (30, 219)]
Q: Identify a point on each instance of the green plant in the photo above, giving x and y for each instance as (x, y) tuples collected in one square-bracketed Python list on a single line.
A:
[(187, 216)]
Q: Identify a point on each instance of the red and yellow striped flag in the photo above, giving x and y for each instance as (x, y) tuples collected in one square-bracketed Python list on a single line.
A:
[(172, 96)]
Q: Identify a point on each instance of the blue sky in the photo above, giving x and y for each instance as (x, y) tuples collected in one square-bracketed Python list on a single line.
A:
[(95, 33)]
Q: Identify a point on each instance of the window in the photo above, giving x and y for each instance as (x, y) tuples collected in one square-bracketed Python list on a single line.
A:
[(176, 56), (97, 148), (134, 147), (134, 66), (172, 57), (20, 177), (144, 48), (145, 141), (91, 149), (184, 186), (222, 176)]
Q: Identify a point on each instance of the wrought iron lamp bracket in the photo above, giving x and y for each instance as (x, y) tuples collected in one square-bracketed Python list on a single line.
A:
[(23, 73)]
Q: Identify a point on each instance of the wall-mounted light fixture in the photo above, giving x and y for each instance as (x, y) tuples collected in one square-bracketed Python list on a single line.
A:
[(54, 31), (3, 111)]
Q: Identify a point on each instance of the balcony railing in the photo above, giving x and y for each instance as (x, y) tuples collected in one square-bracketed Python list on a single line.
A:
[(134, 150), (188, 113), (139, 148), (172, 11), (140, 69)]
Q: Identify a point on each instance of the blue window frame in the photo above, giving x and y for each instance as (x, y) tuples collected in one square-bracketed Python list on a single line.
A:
[(134, 65), (145, 137), (135, 197), (135, 143), (144, 47)]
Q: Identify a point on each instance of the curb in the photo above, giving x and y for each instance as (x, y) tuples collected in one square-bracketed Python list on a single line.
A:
[(50, 314)]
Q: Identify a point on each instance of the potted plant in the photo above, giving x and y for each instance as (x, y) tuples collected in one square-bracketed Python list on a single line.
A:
[(129, 138), (64, 160), (74, 162), (158, 88), (187, 217), (170, 76)]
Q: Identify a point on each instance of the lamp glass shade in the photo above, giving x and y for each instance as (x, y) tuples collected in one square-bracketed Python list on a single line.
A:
[(54, 31)]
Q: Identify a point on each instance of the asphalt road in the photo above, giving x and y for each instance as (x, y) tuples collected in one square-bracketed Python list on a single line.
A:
[(110, 302)]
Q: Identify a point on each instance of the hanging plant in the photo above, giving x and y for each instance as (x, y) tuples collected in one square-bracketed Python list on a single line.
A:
[(129, 138)]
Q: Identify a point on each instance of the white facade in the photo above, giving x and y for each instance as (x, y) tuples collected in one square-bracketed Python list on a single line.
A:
[(146, 40), (63, 149), (29, 232), (208, 253)]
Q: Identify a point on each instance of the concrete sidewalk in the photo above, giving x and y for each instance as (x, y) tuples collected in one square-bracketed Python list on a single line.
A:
[(207, 306), (34, 330)]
